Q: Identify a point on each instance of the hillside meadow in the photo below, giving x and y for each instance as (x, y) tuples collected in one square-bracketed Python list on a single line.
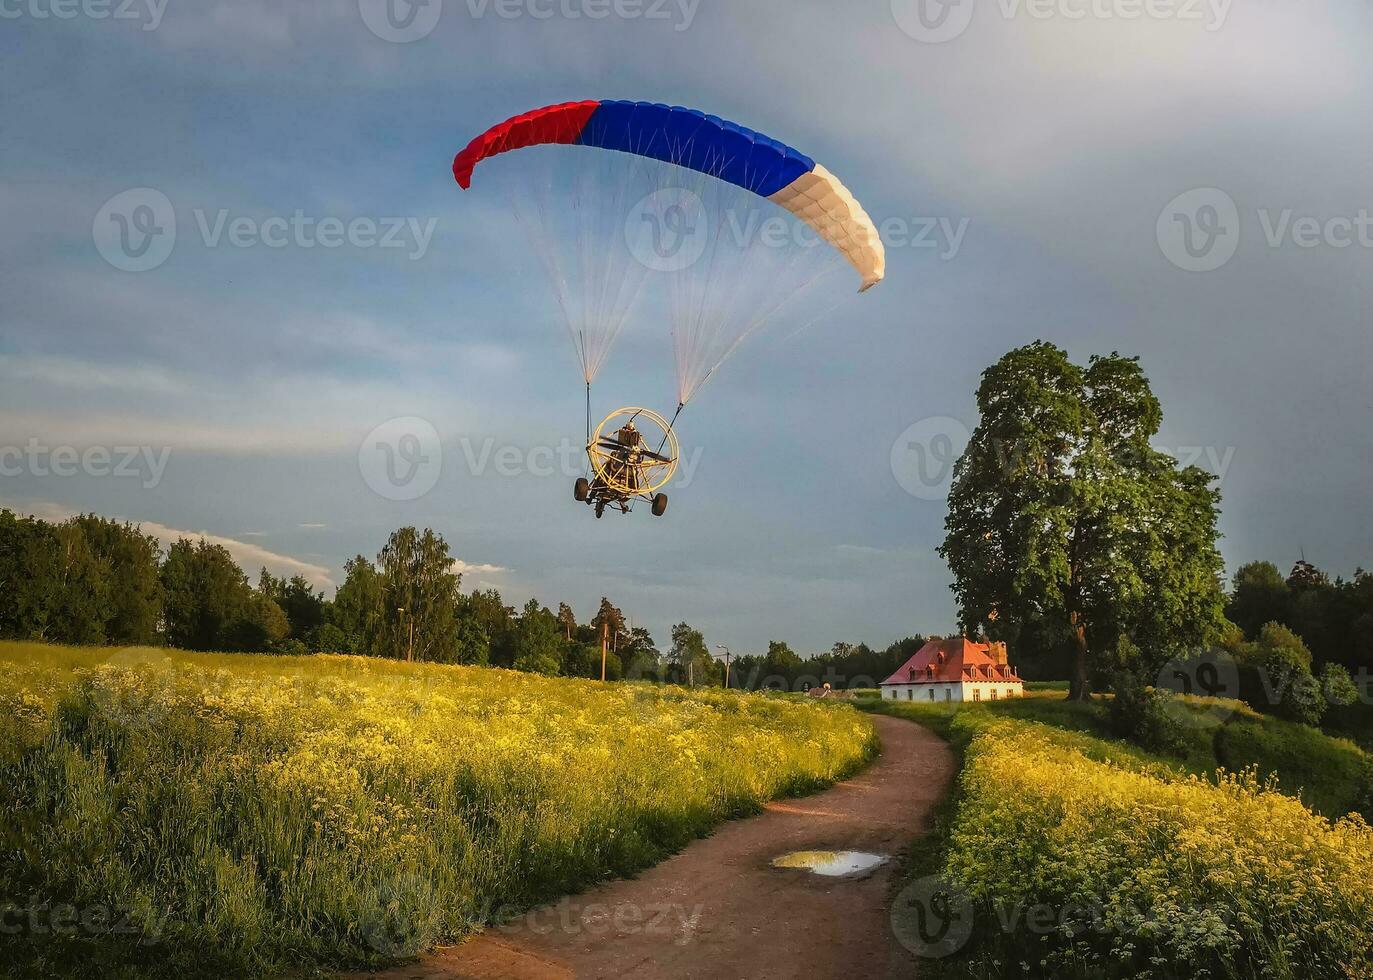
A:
[(199, 814), (1072, 854)]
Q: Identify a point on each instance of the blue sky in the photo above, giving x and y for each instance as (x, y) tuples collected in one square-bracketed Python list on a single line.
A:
[(1072, 140)]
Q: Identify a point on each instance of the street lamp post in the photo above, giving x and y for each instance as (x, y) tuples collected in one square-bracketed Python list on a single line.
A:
[(721, 646)]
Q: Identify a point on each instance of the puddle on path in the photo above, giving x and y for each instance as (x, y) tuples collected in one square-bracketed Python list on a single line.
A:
[(831, 864)]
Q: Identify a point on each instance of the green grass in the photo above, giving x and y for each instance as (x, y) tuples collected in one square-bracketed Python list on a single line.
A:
[(1333, 776), (247, 816)]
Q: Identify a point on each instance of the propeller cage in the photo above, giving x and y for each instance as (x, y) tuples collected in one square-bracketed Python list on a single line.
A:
[(634, 452)]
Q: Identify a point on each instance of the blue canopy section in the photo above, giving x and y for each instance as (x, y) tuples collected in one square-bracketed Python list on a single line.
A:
[(690, 138)]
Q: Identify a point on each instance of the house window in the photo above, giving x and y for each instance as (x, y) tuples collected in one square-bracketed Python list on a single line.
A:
[(931, 694), (948, 694), (977, 694), (994, 693), (910, 694)]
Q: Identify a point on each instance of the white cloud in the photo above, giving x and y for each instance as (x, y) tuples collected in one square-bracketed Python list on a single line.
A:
[(473, 568)]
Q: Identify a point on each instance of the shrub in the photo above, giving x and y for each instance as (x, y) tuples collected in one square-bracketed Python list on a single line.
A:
[(1142, 715), (1338, 687), (1286, 687)]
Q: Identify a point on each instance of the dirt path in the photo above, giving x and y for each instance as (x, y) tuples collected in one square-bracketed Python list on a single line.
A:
[(719, 911)]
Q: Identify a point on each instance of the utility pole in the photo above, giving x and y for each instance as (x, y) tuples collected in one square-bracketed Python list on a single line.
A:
[(605, 632), (721, 646), (410, 622)]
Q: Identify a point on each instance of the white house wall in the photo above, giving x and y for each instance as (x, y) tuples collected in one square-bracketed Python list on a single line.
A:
[(954, 691)]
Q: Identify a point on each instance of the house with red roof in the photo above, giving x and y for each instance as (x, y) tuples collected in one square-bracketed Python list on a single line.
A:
[(955, 670)]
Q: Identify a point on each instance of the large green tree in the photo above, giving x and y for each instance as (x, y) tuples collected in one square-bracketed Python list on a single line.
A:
[(538, 641), (690, 657), (356, 609), (1261, 595), (26, 595), (205, 594), (1066, 525), (133, 601), (419, 615), (85, 584)]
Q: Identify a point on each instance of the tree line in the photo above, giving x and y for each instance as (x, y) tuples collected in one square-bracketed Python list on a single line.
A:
[(92, 581), (1303, 643)]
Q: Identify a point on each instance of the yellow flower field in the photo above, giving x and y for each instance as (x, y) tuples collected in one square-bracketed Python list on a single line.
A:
[(1151, 872), (246, 814)]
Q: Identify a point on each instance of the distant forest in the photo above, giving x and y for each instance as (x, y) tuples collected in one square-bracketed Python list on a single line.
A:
[(95, 581)]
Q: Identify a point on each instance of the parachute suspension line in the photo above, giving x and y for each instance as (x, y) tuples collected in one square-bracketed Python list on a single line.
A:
[(573, 218), (670, 426), (588, 413)]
